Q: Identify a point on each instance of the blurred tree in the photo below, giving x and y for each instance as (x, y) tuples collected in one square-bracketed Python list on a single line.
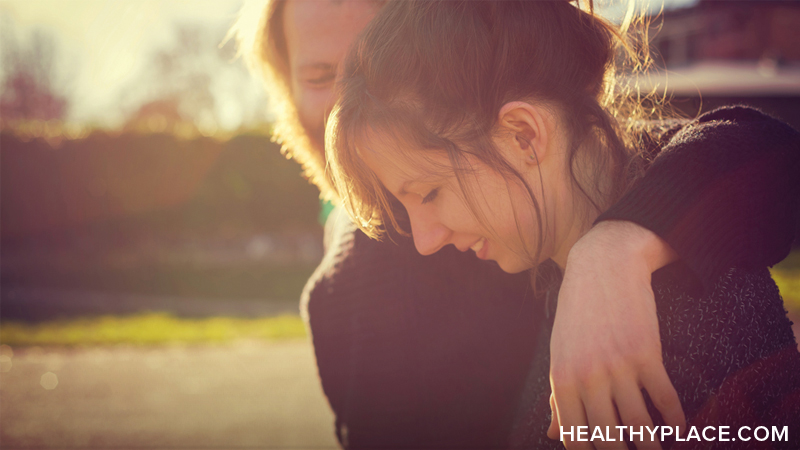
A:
[(29, 87), (198, 81)]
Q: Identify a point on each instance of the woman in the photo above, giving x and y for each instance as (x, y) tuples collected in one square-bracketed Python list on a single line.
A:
[(495, 126)]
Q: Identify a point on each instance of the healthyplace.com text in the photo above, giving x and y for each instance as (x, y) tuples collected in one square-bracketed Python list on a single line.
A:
[(660, 433)]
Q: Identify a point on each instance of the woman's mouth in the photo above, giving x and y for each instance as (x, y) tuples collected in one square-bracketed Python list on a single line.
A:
[(479, 248)]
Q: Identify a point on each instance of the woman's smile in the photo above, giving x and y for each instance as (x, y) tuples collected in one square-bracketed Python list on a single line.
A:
[(446, 217), (480, 248)]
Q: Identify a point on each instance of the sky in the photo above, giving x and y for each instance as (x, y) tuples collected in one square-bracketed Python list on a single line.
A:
[(103, 45)]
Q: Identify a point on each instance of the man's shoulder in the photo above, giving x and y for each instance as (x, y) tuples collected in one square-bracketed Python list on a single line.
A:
[(733, 124), (728, 137)]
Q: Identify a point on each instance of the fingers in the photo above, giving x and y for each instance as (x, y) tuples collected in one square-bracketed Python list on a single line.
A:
[(664, 396), (600, 408), (605, 344), (634, 415), (569, 410), (552, 431), (603, 421)]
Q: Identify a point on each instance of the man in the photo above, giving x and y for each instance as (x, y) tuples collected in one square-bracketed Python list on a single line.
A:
[(407, 346), (431, 352)]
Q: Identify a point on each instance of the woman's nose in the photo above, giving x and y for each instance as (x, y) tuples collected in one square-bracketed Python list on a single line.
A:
[(429, 234)]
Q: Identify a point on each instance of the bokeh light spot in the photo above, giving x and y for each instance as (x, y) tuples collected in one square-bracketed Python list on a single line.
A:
[(49, 381), (6, 350)]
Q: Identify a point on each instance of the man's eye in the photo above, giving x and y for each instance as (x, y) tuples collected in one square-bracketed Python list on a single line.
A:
[(321, 80), (431, 196)]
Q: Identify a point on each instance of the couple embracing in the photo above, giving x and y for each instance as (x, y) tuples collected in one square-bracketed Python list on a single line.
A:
[(607, 270)]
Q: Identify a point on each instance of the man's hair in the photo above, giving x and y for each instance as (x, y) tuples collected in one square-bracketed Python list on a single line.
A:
[(261, 42)]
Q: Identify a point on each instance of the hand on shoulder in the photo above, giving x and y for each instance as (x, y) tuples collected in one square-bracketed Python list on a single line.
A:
[(605, 345)]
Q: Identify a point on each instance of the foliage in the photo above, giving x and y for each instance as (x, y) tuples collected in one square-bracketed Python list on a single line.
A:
[(151, 184), (194, 80), (30, 87)]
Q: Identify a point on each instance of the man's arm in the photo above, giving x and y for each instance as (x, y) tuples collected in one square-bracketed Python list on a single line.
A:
[(723, 193)]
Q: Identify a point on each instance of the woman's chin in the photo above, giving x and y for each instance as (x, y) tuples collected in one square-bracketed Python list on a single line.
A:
[(513, 266)]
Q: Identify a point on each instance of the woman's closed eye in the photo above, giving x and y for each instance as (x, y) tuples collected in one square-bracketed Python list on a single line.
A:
[(431, 196)]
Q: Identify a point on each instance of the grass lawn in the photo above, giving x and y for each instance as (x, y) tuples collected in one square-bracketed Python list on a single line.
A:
[(150, 329), (787, 277), (154, 329), (267, 281)]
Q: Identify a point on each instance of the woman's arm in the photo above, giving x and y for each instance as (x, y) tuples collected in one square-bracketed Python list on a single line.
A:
[(723, 193)]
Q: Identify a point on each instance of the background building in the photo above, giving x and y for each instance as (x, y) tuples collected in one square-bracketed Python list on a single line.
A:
[(715, 53)]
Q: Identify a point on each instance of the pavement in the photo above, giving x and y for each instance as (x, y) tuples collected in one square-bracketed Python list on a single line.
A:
[(249, 394)]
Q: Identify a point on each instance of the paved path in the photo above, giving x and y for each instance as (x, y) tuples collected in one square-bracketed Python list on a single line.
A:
[(248, 394)]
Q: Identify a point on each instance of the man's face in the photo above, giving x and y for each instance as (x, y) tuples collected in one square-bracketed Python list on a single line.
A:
[(318, 34)]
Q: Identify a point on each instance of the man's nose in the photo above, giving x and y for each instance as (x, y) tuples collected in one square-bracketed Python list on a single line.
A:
[(428, 232)]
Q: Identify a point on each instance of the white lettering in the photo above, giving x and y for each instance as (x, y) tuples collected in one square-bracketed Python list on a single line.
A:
[(663, 432), (706, 437), (693, 434), (740, 433), (570, 433), (640, 432), (585, 432), (678, 434), (652, 433), (608, 436), (621, 429), (766, 435), (778, 435), (723, 433), (598, 433)]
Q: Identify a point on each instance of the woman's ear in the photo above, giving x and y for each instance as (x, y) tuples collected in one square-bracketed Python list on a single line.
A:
[(524, 129)]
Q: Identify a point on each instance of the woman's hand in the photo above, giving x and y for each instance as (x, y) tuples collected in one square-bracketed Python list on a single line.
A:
[(605, 345)]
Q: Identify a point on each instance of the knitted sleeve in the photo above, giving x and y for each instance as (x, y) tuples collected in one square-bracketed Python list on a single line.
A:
[(723, 192)]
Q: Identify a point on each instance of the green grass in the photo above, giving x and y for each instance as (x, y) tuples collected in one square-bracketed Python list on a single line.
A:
[(789, 284), (787, 277), (241, 281), (150, 329), (158, 328)]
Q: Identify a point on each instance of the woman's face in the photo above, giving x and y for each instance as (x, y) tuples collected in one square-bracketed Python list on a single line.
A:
[(441, 215)]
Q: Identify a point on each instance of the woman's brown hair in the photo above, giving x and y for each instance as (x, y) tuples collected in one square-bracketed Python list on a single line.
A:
[(437, 73)]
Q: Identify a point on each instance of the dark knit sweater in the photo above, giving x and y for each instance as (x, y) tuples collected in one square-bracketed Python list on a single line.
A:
[(730, 353), (416, 351), (729, 348), (433, 352), (723, 192)]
